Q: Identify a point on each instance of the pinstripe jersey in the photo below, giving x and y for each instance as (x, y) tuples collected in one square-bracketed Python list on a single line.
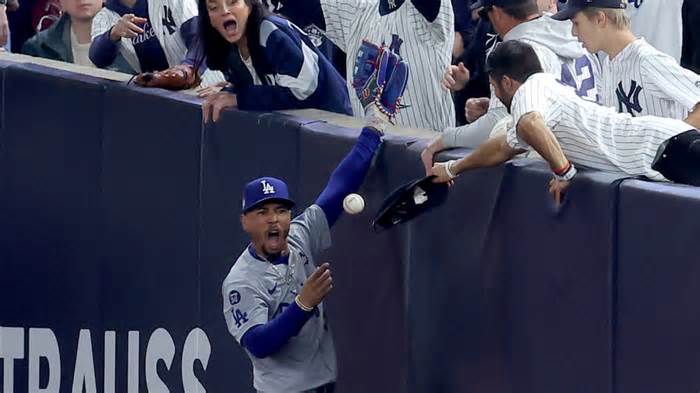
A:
[(642, 80), (427, 48), (660, 23), (592, 135), (175, 12)]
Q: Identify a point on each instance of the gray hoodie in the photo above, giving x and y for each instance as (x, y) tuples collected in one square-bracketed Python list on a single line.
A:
[(560, 54)]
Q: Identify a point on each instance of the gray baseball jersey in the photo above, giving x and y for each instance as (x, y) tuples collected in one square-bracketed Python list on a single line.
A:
[(256, 291), (642, 80), (427, 48), (660, 23), (593, 135), (560, 55)]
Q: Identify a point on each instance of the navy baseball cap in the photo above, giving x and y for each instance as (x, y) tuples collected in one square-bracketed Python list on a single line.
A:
[(574, 6), (499, 3), (265, 189)]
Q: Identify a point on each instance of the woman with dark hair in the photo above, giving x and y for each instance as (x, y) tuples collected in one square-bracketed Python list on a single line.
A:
[(270, 63)]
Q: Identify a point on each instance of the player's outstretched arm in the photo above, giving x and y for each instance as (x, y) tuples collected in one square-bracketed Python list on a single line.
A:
[(267, 339)]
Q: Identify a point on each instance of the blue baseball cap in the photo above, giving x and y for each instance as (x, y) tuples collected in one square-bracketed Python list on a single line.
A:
[(574, 6), (265, 189), (499, 3)]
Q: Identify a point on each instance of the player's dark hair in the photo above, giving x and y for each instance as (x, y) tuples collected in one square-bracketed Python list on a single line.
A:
[(515, 59), (217, 50), (522, 11)]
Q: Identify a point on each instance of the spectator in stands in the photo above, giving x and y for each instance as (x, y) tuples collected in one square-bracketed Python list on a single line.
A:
[(152, 36), (691, 35), (68, 39), (6, 6), (558, 51), (659, 22), (269, 62), (636, 78)]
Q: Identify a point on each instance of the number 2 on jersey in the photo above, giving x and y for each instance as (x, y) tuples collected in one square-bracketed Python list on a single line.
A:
[(584, 71)]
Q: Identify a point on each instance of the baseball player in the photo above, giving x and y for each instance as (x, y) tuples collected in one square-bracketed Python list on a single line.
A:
[(151, 35), (566, 130), (559, 53), (659, 22), (636, 78), (273, 295)]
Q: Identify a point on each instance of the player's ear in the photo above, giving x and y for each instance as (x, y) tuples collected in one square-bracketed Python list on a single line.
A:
[(244, 222)]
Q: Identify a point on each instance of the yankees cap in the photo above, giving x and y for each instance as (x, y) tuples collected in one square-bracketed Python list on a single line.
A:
[(265, 189), (574, 6)]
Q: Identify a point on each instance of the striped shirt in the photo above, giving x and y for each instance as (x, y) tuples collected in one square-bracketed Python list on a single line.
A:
[(427, 48), (642, 80), (660, 23), (559, 53), (592, 135)]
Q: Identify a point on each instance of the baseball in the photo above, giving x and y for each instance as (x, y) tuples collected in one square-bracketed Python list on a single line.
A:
[(353, 203)]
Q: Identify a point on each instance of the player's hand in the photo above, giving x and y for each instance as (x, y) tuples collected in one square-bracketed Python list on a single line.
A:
[(4, 26), (557, 188), (128, 26), (475, 108), (456, 77), (214, 104), (317, 286), (211, 90)]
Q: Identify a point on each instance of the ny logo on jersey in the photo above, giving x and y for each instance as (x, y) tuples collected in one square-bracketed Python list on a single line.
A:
[(629, 100), (168, 20), (267, 187), (636, 3), (392, 4)]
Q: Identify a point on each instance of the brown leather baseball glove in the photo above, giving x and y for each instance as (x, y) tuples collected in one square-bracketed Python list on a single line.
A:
[(180, 77)]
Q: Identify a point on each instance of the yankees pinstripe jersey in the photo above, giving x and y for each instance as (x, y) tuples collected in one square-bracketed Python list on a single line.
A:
[(165, 17), (560, 54), (660, 23), (256, 291), (427, 48), (642, 80), (592, 135)]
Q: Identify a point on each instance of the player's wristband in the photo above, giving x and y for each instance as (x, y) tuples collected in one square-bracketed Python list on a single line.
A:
[(448, 169), (566, 173), (302, 305)]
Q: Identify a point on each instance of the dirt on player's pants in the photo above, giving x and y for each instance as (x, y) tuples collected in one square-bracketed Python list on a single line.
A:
[(678, 158)]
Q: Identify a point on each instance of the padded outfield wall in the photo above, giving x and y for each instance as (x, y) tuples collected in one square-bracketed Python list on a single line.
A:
[(117, 229)]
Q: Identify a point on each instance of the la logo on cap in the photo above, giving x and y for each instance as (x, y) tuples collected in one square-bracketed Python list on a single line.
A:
[(267, 187)]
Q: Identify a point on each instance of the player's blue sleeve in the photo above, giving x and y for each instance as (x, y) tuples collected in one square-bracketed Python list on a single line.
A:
[(265, 340), (103, 51), (349, 175)]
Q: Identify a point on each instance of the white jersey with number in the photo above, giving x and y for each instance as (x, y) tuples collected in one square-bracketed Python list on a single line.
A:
[(427, 48), (592, 135), (660, 23), (560, 54), (642, 80), (255, 291)]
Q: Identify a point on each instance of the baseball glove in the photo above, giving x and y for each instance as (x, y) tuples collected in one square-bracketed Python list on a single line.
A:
[(379, 78), (180, 77)]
